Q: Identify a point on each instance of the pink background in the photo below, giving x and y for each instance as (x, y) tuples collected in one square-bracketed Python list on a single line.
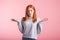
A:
[(16, 9)]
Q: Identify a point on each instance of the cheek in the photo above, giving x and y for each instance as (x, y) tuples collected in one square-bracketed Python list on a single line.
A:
[(32, 13)]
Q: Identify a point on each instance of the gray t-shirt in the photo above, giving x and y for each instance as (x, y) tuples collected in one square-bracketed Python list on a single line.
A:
[(30, 29)]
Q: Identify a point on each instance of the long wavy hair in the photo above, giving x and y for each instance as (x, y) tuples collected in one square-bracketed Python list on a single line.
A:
[(34, 18)]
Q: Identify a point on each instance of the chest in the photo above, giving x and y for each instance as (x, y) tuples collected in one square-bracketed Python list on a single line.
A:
[(29, 23)]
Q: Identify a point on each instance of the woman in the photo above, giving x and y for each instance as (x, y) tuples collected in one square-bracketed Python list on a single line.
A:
[(30, 26)]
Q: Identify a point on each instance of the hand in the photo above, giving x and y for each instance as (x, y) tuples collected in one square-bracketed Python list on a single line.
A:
[(45, 19), (13, 20)]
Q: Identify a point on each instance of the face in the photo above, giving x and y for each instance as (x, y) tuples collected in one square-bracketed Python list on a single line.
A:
[(30, 12)]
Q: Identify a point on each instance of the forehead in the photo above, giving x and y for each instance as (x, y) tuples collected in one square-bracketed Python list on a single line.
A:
[(30, 8)]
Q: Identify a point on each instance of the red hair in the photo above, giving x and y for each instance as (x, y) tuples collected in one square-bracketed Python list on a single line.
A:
[(34, 18)]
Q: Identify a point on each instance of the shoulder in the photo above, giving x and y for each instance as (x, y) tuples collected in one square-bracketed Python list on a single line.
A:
[(38, 19), (23, 19)]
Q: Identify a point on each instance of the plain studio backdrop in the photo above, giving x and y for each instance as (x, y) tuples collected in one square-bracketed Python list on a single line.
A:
[(16, 9)]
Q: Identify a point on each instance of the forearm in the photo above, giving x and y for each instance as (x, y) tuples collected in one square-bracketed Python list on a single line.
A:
[(43, 20)]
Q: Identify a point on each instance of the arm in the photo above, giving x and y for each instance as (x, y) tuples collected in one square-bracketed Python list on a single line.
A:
[(18, 23), (39, 26)]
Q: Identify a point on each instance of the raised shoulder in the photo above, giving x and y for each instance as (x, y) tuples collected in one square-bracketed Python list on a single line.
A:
[(38, 19), (23, 19)]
